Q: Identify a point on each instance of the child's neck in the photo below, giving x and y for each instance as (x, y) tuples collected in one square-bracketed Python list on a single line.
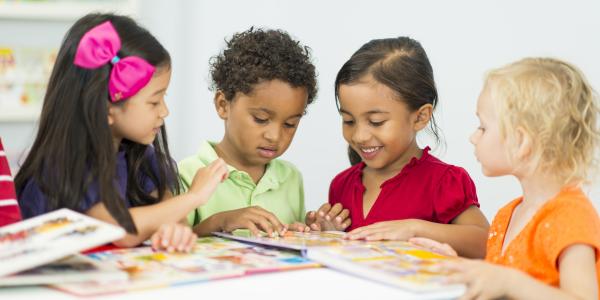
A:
[(538, 189), (393, 168), (228, 153)]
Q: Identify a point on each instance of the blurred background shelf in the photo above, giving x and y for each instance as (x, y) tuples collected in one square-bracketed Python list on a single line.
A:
[(62, 10), (18, 114)]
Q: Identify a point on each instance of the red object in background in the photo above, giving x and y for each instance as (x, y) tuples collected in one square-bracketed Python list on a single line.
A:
[(9, 207)]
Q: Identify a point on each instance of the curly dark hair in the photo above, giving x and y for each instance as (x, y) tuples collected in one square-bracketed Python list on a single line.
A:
[(257, 55)]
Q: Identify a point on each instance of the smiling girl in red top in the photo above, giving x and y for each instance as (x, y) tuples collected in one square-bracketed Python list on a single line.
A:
[(396, 190)]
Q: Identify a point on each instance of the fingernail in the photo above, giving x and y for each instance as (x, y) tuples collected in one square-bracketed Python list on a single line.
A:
[(165, 243), (327, 218), (339, 219), (321, 213)]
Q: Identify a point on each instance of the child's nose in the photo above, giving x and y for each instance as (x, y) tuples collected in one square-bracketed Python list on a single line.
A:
[(164, 112), (473, 137), (361, 134), (272, 133)]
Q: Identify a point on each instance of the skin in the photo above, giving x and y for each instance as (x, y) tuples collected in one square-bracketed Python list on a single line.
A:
[(259, 127), (382, 129), (578, 278), (139, 119)]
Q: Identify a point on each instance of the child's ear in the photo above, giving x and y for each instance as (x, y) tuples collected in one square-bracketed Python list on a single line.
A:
[(423, 116), (110, 108), (221, 105), (524, 144)]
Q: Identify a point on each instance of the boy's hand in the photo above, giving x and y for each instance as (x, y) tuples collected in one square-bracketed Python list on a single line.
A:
[(253, 218), (173, 237), (297, 226), (207, 179), (328, 218), (433, 246)]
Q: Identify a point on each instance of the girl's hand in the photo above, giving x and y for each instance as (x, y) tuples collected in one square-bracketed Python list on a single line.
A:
[(253, 218), (400, 230), (433, 246), (329, 218), (173, 237), (207, 179), (483, 280)]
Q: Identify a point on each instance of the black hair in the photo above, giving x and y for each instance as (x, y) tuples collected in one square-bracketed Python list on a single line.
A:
[(399, 63), (74, 147), (257, 55)]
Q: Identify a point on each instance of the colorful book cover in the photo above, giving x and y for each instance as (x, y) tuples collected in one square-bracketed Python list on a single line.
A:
[(75, 268), (399, 264), (211, 259), (49, 237), (294, 240)]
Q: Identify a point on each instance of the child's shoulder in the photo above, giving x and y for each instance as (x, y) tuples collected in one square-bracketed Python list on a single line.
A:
[(348, 174), (434, 165), (284, 169)]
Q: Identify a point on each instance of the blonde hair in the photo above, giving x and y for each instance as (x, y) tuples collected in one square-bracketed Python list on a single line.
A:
[(553, 102)]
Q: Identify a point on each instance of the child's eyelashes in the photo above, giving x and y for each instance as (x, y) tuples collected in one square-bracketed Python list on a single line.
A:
[(260, 121), (376, 124), (348, 122), (265, 121)]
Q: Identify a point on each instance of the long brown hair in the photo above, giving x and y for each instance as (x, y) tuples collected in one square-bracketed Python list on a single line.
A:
[(74, 148)]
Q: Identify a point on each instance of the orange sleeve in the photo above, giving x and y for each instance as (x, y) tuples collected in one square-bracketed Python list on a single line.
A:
[(568, 223)]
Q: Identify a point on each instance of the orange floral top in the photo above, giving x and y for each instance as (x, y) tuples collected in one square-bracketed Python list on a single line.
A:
[(569, 218)]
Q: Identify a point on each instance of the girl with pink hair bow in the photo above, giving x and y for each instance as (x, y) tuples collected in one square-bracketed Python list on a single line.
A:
[(101, 147)]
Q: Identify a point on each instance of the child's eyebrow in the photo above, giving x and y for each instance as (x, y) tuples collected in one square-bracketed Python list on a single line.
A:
[(268, 111), (376, 111), (159, 91)]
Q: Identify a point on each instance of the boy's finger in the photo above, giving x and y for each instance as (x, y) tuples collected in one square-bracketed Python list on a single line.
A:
[(253, 229)]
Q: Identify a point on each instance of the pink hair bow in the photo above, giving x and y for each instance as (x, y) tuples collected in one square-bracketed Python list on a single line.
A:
[(98, 47)]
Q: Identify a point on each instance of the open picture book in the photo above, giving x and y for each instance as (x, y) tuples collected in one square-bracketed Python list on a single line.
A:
[(74, 268), (212, 258), (50, 237), (398, 264)]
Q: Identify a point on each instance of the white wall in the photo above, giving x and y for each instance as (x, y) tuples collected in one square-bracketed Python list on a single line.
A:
[(462, 38)]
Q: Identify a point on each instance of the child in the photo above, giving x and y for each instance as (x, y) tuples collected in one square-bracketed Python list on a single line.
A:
[(396, 190), (263, 82), (9, 207), (538, 122), (101, 147)]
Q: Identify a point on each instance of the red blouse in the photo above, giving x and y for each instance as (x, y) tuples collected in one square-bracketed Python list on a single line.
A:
[(426, 189)]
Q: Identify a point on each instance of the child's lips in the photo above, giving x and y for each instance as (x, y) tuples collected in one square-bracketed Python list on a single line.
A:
[(369, 152), (267, 152)]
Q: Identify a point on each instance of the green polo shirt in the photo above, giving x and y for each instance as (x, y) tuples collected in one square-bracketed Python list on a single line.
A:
[(279, 191)]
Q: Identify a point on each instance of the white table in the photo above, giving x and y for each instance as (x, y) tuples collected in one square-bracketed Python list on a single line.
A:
[(308, 284)]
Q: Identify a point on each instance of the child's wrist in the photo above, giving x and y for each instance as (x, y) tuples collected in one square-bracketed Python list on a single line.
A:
[(415, 227)]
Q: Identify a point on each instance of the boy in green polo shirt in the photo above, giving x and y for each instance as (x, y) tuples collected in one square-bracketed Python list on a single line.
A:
[(263, 82)]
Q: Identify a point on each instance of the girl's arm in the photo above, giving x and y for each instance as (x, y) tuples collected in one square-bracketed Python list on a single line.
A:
[(148, 219), (467, 233), (578, 278)]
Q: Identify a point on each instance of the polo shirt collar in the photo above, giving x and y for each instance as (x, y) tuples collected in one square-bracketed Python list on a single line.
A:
[(275, 174)]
